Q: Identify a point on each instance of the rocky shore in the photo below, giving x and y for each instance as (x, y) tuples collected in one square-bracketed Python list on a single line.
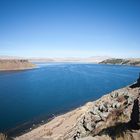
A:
[(15, 64), (115, 116)]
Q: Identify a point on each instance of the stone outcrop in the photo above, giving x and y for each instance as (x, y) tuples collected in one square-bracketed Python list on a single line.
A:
[(120, 109), (115, 116), (15, 64)]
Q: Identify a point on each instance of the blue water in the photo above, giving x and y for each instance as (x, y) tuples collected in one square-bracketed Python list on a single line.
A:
[(55, 88)]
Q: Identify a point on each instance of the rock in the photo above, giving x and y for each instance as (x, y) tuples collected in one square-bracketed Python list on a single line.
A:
[(125, 93), (104, 116), (76, 136), (89, 126), (99, 124), (114, 94), (81, 129), (97, 118), (95, 111), (103, 108), (130, 100), (116, 105)]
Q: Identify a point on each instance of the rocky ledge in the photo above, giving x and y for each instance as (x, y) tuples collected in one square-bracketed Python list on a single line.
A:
[(113, 116), (15, 64)]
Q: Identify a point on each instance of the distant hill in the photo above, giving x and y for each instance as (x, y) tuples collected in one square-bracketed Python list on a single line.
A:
[(93, 59), (15, 64), (10, 57), (131, 61)]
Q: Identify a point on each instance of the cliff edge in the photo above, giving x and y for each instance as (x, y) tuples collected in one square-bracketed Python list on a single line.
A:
[(15, 64)]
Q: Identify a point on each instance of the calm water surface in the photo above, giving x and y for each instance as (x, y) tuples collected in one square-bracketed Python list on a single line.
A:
[(55, 88)]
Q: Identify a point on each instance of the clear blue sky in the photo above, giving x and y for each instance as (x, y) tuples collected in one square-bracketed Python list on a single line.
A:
[(65, 28)]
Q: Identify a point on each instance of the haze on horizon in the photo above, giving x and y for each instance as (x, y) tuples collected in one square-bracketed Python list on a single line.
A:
[(70, 28)]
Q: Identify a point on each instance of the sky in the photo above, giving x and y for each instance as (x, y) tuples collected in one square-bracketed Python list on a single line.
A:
[(70, 28)]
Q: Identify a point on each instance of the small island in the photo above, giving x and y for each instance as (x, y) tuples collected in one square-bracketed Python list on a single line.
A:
[(15, 64)]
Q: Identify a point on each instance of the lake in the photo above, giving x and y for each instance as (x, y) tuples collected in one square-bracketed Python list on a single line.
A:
[(30, 96)]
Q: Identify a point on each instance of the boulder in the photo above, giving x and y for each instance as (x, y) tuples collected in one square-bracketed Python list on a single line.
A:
[(103, 108), (114, 94), (116, 105), (97, 118), (130, 100)]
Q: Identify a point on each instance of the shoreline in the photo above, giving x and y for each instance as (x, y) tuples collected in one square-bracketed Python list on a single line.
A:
[(35, 123), (51, 119), (15, 64), (36, 67), (20, 69), (62, 124), (120, 65), (28, 126)]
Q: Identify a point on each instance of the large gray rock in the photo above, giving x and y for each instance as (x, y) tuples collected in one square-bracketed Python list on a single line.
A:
[(130, 100), (103, 108), (114, 94), (116, 105), (97, 118)]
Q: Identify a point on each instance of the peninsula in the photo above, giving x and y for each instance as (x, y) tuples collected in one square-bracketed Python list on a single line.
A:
[(15, 64)]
